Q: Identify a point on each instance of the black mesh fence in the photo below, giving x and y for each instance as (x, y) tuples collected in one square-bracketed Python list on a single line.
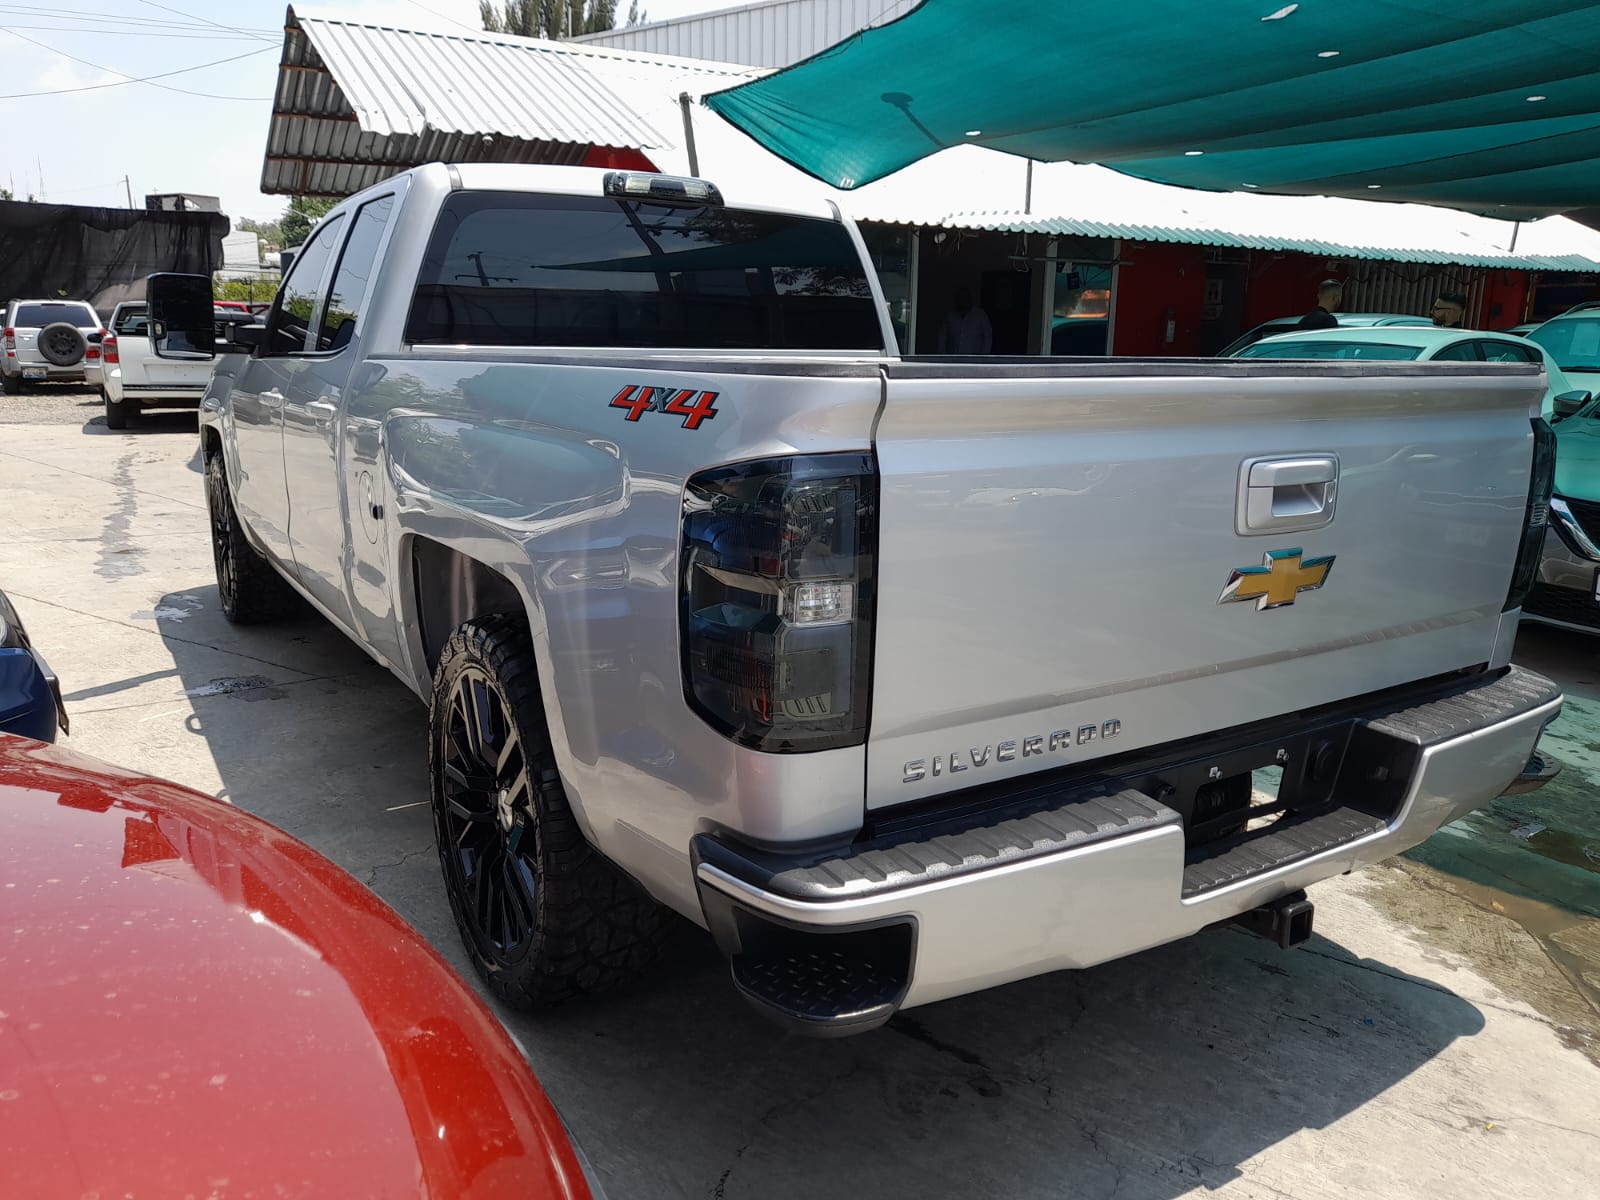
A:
[(102, 255)]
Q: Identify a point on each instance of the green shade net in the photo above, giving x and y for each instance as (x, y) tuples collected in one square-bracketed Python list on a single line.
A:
[(1489, 107)]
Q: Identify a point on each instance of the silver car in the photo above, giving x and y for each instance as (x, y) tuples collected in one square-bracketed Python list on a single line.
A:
[(50, 341)]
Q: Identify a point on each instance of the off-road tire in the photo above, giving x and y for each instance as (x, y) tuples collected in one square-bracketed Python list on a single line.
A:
[(592, 928), (62, 344), (251, 591), (117, 415)]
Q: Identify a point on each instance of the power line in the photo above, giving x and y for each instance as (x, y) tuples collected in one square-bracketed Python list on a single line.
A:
[(197, 17), (127, 79), (160, 33), (105, 18)]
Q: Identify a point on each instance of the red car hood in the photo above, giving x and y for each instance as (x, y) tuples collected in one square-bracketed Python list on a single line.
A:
[(193, 1003)]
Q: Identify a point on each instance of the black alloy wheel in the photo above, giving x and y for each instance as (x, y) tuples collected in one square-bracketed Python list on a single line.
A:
[(250, 589), (488, 818), (544, 915)]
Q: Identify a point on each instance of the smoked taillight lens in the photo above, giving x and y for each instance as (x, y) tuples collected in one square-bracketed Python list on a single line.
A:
[(1537, 514), (777, 589)]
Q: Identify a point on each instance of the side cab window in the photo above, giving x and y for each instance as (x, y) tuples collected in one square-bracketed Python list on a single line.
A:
[(300, 298)]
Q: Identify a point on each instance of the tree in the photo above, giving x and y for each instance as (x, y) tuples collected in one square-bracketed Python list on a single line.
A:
[(271, 232), (637, 15), (548, 18), (303, 212)]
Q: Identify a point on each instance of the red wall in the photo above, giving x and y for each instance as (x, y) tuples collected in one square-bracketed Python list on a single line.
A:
[(1509, 290), (1282, 285), (1154, 277)]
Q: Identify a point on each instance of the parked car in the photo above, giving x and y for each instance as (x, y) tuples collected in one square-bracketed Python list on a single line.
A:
[(1567, 590), (905, 677), (30, 693), (1573, 341), (1426, 344), (1291, 324), (1523, 330), (136, 379), (197, 1004), (50, 341)]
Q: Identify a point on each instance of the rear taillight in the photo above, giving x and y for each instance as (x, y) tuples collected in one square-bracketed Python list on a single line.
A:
[(1536, 517), (108, 348), (777, 579), (11, 341)]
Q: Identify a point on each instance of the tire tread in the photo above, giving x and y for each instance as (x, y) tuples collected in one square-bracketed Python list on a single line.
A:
[(595, 929)]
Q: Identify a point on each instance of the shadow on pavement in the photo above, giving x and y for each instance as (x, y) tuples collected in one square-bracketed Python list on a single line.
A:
[(1148, 1077), (146, 423)]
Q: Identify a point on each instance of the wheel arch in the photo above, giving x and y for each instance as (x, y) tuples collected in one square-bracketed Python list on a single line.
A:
[(446, 588)]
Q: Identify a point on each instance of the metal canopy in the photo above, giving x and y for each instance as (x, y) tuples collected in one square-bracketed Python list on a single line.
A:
[(357, 103), (1491, 106)]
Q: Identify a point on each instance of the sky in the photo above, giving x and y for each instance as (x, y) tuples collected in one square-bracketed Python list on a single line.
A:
[(75, 126)]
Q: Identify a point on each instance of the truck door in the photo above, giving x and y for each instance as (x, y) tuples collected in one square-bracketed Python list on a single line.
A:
[(323, 523), (267, 382)]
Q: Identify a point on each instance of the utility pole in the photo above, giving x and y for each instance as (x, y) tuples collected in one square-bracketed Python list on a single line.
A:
[(128, 188)]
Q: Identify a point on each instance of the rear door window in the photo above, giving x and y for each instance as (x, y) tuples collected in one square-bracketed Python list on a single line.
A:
[(1509, 352), (1460, 352), (347, 298), (508, 269), (300, 297)]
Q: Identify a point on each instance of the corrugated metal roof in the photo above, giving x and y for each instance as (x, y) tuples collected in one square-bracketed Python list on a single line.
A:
[(776, 33), (357, 103), (1000, 222)]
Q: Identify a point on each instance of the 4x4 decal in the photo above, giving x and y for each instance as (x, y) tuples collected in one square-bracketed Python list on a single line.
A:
[(694, 407)]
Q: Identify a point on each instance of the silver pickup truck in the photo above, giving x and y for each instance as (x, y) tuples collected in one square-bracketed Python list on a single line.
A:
[(905, 677)]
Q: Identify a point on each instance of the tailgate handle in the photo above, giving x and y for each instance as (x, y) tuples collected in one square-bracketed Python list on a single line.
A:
[(1285, 495)]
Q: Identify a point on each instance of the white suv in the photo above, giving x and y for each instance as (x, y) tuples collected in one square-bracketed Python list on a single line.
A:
[(50, 340), (136, 378)]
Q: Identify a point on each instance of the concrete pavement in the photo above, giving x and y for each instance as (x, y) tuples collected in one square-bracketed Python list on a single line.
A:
[(1434, 1038)]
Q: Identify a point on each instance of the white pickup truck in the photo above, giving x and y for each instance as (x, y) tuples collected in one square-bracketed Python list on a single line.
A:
[(135, 378), (904, 676)]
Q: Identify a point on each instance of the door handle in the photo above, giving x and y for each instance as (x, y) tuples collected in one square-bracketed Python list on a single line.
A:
[(322, 410), (1286, 494), (272, 398)]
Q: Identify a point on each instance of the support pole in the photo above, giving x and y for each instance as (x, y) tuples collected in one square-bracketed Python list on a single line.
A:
[(1516, 228), (688, 133), (128, 188), (1027, 195)]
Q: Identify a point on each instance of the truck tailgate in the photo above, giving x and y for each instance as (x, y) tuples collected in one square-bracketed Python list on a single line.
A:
[(1079, 559)]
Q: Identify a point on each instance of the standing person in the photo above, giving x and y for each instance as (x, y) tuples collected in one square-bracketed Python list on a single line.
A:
[(966, 328), (1450, 310), (1329, 293)]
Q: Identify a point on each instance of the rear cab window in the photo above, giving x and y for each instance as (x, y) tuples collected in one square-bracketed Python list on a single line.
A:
[(515, 269), (132, 321), (37, 316)]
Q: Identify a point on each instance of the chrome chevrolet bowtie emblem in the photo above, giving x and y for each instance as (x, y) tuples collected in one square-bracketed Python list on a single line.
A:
[(1282, 575)]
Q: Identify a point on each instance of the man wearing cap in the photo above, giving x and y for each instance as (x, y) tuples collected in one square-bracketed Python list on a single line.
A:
[(1450, 310), (1329, 293)]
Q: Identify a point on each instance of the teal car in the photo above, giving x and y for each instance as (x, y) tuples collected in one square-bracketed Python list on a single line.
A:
[(1566, 592), (1567, 589), (1427, 343)]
